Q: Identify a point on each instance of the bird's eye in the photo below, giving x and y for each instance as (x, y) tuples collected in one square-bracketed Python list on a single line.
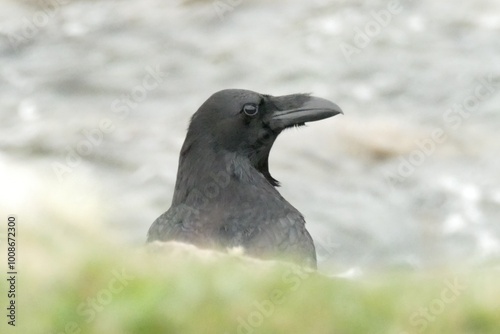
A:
[(250, 109)]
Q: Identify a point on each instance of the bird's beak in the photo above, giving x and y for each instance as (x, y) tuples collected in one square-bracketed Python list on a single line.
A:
[(313, 109)]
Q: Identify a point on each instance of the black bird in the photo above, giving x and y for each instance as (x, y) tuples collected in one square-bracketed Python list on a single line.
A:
[(224, 194)]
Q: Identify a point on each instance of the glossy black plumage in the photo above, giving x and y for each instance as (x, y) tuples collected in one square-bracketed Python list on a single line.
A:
[(224, 194)]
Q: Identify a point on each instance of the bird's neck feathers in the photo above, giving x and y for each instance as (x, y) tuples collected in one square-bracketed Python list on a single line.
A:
[(206, 172)]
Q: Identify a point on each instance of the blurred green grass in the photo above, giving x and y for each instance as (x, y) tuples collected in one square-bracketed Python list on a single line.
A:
[(76, 281)]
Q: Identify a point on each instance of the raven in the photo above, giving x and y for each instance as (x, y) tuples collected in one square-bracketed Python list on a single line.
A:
[(224, 194)]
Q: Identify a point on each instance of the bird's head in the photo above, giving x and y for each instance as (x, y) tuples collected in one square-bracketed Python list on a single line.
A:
[(247, 123)]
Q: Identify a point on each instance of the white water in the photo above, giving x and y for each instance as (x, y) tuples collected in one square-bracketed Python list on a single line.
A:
[(66, 68)]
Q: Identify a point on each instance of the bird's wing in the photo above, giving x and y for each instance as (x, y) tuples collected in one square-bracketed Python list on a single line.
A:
[(175, 224), (286, 237)]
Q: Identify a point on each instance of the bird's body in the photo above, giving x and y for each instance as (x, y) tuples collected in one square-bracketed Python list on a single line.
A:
[(224, 194)]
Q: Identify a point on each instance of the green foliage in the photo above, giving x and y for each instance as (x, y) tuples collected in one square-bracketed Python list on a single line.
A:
[(75, 285)]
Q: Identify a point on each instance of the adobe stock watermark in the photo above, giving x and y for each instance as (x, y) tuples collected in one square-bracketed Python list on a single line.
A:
[(31, 26), (222, 7), (380, 19), (326, 245), (424, 316), (89, 308), (120, 108), (453, 118), (265, 308)]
